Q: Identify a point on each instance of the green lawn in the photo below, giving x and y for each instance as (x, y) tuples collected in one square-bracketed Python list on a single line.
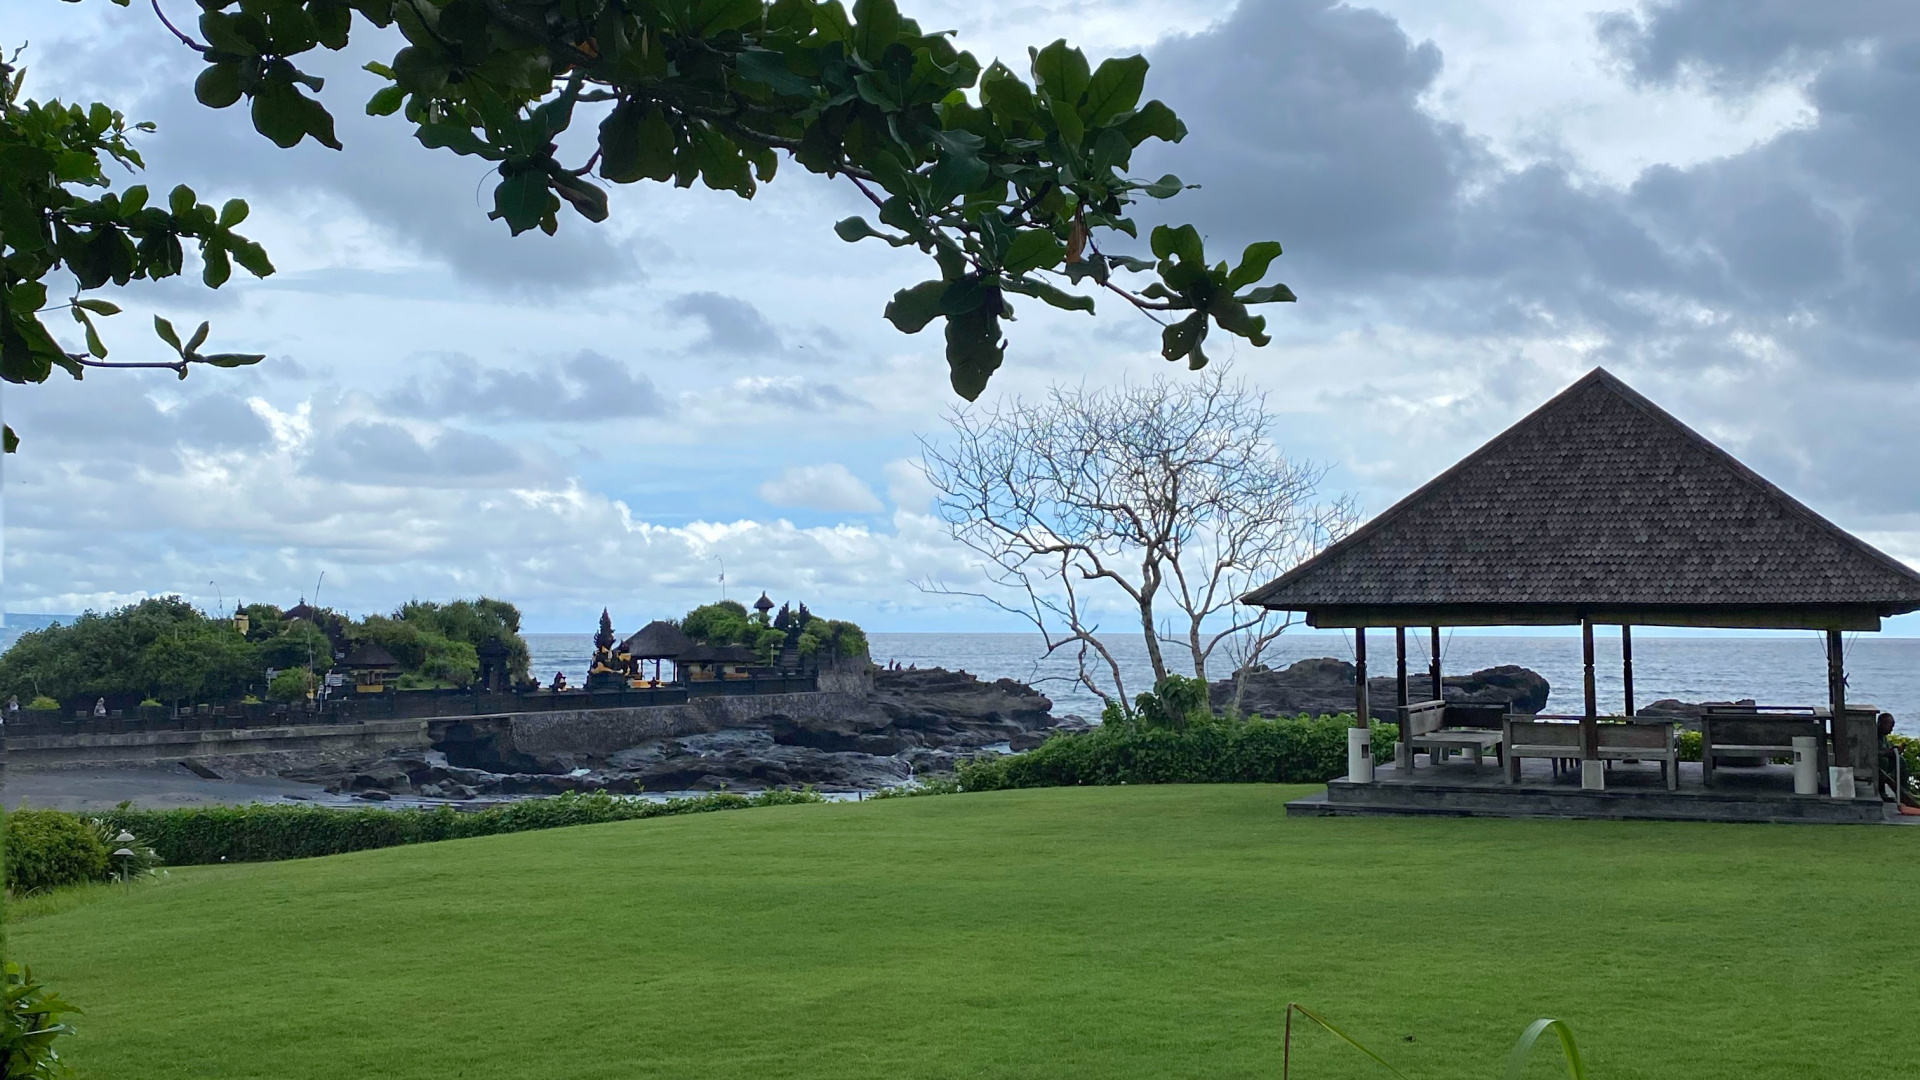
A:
[(1083, 932)]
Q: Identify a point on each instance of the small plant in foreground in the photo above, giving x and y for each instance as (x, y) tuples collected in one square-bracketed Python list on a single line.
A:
[(30, 1024), (1516, 1058)]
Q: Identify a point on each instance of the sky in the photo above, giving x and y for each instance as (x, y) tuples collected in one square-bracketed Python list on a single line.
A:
[(1480, 201)]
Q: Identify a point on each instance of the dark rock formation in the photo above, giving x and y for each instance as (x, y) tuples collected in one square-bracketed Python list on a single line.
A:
[(1687, 712), (907, 723), (1324, 687)]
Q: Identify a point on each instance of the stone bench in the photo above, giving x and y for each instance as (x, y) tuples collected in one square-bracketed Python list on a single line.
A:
[(1440, 728)]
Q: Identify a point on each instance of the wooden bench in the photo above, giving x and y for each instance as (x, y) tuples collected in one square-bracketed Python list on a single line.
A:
[(1622, 738), (1440, 728), (1749, 733)]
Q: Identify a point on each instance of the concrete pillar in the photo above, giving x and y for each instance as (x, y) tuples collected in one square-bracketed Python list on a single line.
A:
[(1593, 773)]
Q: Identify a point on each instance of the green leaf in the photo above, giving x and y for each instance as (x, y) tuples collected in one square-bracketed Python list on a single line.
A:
[(218, 86), (98, 307), (95, 347), (1346, 1038), (386, 101), (1061, 73), (876, 26), (455, 137), (912, 309), (233, 213), (1115, 89), (252, 256), (279, 115), (589, 200), (1517, 1058), (855, 229), (636, 143), (199, 337), (974, 347), (1005, 96), (1253, 264), (233, 360), (523, 199), (1234, 318), (1164, 188), (960, 168), (1059, 298), (215, 269), (167, 333), (420, 70), (1066, 120), (1182, 338), (181, 201), (770, 68), (1154, 121), (1128, 262), (1183, 241), (713, 17), (12, 440), (1269, 294), (1033, 249)]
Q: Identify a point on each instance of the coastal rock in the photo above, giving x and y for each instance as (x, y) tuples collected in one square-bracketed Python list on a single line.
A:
[(1687, 712), (1324, 687), (907, 723)]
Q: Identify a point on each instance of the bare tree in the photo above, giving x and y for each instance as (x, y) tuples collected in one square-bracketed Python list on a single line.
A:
[(1167, 499)]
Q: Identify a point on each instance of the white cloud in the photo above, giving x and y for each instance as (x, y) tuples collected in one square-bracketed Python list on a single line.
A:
[(830, 488)]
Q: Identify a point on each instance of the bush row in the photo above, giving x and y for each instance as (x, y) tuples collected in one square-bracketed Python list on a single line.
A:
[(46, 848), (1296, 750)]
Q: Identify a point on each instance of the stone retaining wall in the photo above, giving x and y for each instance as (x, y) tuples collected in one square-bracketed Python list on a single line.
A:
[(263, 748)]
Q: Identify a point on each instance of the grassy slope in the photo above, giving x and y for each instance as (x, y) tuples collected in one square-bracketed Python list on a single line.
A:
[(1116, 932)]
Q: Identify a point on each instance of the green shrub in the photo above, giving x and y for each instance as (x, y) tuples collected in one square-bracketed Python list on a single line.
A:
[(1176, 702), (926, 785), (1908, 748), (1688, 743), (1299, 750), (260, 832), (44, 703), (30, 1025), (293, 684), (48, 848)]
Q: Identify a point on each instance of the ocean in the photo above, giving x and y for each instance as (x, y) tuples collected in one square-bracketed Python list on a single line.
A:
[(1788, 670)]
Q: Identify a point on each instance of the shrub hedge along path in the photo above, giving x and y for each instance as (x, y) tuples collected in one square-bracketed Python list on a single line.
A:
[(1104, 933)]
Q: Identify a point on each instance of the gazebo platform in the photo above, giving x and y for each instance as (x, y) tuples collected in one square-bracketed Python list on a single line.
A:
[(1633, 792)]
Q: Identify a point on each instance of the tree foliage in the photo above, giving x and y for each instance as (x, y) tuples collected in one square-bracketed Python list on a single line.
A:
[(1015, 184), (167, 649), (51, 154)]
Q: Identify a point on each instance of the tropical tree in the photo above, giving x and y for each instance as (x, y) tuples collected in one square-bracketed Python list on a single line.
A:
[(1166, 500), (1013, 185)]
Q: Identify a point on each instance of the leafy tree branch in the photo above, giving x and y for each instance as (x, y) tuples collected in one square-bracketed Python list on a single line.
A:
[(1014, 185)]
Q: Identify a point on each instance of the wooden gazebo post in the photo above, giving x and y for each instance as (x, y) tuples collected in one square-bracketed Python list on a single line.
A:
[(1593, 775), (1433, 667), (1403, 754), (1837, 701), (1626, 664), (1360, 735)]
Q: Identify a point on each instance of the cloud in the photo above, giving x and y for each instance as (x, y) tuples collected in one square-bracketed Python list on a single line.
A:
[(830, 488), (795, 393), (586, 386), (732, 325), (382, 452)]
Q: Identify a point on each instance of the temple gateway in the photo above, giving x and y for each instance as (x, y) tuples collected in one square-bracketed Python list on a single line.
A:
[(1602, 510)]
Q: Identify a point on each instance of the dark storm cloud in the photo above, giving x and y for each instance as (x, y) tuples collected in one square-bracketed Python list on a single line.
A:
[(1789, 269), (732, 325), (1735, 45), (586, 386), (378, 452), (1306, 126)]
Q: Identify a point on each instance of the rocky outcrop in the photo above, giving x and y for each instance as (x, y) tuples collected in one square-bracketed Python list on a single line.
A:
[(1687, 712), (906, 723), (1325, 687)]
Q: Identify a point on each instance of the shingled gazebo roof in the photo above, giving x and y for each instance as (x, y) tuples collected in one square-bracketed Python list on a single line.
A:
[(658, 640), (1598, 505)]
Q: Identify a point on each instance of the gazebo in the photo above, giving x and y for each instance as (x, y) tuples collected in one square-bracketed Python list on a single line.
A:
[(1601, 509), (658, 640), (371, 667)]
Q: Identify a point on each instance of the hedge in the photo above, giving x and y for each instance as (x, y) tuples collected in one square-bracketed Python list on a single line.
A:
[(264, 832), (1296, 750)]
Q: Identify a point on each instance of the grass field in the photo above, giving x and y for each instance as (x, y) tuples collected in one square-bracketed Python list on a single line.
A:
[(1082, 932)]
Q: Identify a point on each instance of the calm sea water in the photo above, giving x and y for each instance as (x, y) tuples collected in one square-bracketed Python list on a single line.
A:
[(1773, 670)]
